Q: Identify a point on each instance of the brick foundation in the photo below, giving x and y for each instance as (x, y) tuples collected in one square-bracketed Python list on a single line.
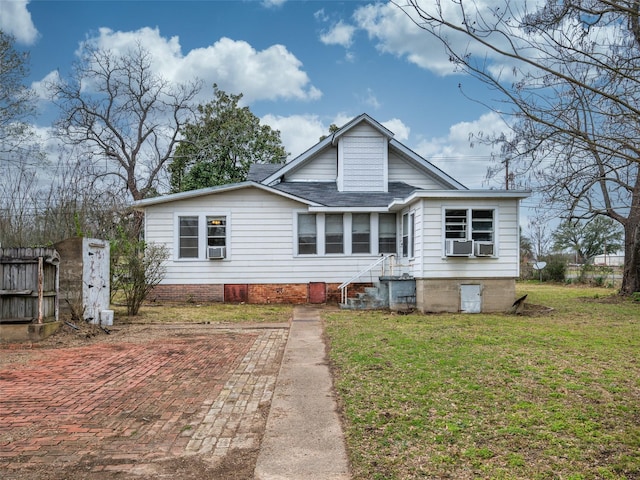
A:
[(206, 293), (285, 293)]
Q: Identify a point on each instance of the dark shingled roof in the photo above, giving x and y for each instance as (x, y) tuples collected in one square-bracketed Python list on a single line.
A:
[(260, 171), (327, 194)]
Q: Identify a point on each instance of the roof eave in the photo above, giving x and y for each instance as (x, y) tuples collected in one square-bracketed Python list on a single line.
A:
[(175, 197), (460, 195), (430, 167)]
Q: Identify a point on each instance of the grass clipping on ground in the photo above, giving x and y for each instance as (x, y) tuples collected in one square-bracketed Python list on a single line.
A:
[(493, 396)]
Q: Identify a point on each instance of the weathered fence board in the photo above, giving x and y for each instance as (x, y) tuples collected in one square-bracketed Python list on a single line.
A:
[(29, 284)]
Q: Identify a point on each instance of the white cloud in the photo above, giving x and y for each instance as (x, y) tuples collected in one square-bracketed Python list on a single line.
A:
[(269, 74), (400, 130), (370, 99), (15, 20), (40, 87), (459, 155), (339, 34), (273, 3), (298, 132), (321, 15), (301, 132), (397, 34)]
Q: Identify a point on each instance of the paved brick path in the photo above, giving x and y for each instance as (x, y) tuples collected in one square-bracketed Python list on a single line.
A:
[(122, 406)]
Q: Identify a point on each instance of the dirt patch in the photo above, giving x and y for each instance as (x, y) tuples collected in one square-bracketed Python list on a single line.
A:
[(236, 465), (178, 401), (533, 310)]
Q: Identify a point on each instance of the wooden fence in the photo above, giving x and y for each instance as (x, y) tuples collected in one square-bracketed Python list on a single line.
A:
[(29, 285)]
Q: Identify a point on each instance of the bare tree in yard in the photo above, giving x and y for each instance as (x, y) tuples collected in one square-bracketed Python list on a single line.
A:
[(125, 117), (16, 99), (32, 213), (569, 73)]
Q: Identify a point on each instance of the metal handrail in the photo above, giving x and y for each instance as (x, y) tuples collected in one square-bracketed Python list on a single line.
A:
[(343, 286)]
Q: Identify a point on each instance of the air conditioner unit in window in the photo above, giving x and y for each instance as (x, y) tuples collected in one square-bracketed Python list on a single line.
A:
[(459, 248), (216, 253), (484, 249)]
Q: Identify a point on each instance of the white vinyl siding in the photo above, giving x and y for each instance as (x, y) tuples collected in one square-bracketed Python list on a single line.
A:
[(362, 165), (401, 170), (262, 240), (323, 168), (431, 226)]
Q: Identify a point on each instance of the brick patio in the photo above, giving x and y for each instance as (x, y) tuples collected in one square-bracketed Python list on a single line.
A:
[(121, 407)]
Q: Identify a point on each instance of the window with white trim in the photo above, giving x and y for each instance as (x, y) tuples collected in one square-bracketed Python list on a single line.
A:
[(455, 224), (470, 232), (361, 233), (345, 233), (482, 225), (188, 237), (216, 236), (202, 236), (408, 234), (333, 233), (307, 234), (387, 242)]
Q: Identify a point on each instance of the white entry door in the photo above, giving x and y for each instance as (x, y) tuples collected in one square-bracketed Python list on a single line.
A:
[(470, 299)]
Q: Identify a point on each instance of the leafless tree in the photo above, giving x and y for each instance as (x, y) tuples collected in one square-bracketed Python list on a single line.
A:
[(569, 73), (35, 210), (16, 99), (123, 116)]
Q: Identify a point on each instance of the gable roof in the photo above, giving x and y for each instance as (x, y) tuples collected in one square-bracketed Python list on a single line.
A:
[(405, 152), (326, 194), (174, 197), (260, 171)]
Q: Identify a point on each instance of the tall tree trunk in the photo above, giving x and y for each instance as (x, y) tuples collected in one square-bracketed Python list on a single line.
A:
[(631, 274)]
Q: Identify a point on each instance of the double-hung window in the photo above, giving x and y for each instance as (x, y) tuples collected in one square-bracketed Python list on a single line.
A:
[(216, 237), (307, 234), (334, 233), (408, 237), (455, 226), (202, 236), (188, 237), (361, 233), (482, 225), (346, 233), (387, 233), (470, 231)]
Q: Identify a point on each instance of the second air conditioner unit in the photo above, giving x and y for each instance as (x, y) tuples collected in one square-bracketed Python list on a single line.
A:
[(216, 253)]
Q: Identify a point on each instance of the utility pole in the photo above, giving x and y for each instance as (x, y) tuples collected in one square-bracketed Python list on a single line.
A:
[(506, 173)]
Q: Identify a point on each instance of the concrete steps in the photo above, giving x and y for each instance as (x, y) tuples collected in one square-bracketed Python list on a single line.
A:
[(395, 293)]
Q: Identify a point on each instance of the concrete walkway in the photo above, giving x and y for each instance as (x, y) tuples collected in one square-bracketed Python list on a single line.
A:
[(303, 438)]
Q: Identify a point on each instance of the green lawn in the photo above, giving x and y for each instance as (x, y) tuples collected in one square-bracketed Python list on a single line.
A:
[(551, 395)]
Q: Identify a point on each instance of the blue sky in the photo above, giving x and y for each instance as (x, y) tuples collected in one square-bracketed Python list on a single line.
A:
[(302, 65)]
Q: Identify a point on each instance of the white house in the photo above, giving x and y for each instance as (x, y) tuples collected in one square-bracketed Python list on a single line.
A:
[(356, 206)]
